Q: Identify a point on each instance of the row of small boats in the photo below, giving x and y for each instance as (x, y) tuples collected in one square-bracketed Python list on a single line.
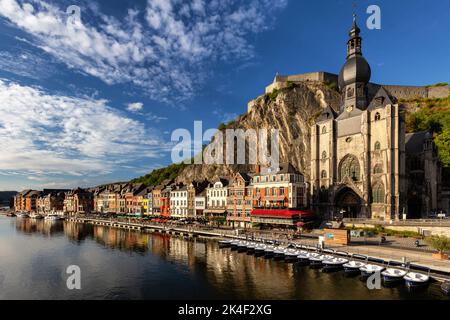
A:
[(36, 216), (328, 260)]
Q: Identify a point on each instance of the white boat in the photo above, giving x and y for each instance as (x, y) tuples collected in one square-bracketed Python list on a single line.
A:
[(269, 251), (280, 253), (370, 269), (415, 279), (225, 244), (302, 257), (23, 215), (393, 274), (291, 255), (260, 249), (251, 247), (36, 216), (234, 244), (53, 217), (353, 266), (334, 263), (317, 259)]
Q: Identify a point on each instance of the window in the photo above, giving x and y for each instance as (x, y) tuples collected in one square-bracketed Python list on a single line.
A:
[(378, 169), (282, 191), (378, 193), (324, 155), (350, 168), (323, 175), (377, 116), (324, 130), (377, 146)]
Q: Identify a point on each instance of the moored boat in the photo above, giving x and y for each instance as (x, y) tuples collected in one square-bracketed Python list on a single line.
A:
[(291, 255), (353, 266), (225, 244), (259, 249), (316, 259), (251, 248), (269, 251), (302, 258), (53, 217), (415, 279), (393, 275), (334, 263), (280, 253), (11, 214), (36, 216), (369, 269), (23, 215), (234, 244)]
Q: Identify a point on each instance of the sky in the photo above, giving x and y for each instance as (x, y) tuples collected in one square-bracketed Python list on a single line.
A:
[(94, 97)]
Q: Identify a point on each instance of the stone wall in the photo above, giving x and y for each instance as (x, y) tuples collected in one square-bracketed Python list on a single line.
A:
[(281, 82)]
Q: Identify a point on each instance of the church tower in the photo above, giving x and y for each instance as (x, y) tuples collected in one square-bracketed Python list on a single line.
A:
[(355, 74)]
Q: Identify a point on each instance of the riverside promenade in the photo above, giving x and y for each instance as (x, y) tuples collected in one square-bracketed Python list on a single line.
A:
[(440, 269)]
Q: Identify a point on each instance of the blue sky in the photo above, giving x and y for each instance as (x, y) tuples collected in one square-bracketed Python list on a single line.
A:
[(96, 100)]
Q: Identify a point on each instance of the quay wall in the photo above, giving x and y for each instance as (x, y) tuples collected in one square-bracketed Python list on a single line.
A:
[(424, 230)]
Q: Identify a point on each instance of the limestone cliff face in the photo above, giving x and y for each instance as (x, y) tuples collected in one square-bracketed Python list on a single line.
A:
[(291, 111)]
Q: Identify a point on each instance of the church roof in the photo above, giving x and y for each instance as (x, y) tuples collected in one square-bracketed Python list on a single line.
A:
[(327, 114), (381, 99)]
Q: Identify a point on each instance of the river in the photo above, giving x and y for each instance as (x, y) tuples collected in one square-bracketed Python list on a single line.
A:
[(122, 264)]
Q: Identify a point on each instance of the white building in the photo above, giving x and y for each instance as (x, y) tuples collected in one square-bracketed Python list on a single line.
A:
[(179, 202), (217, 194)]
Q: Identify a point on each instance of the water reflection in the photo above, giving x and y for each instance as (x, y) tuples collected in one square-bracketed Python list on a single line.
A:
[(125, 264)]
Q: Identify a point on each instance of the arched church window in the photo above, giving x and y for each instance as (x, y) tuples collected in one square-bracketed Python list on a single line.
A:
[(377, 146), (377, 116), (324, 155), (378, 169), (324, 130), (350, 168), (378, 193), (323, 175)]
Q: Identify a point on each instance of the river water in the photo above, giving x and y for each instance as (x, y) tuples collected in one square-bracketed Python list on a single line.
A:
[(122, 264)]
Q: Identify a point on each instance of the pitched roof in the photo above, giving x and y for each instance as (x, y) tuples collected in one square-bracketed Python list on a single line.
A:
[(327, 114), (381, 99)]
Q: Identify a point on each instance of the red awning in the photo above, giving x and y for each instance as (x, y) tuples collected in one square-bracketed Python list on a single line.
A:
[(284, 214)]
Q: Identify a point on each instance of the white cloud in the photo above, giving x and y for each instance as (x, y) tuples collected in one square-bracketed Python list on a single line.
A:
[(135, 107), (168, 55), (46, 134)]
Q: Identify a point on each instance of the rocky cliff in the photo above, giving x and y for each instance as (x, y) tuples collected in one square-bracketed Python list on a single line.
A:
[(291, 111)]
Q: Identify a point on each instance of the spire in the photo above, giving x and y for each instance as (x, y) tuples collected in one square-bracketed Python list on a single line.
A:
[(355, 42)]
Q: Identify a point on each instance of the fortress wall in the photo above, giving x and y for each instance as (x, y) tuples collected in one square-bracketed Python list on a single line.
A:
[(407, 92), (439, 92), (280, 82)]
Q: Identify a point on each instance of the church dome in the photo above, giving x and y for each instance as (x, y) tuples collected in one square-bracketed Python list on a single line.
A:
[(355, 69)]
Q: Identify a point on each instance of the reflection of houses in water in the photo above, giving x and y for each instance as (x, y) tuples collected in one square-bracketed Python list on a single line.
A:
[(125, 240), (77, 231), (245, 275), (43, 227)]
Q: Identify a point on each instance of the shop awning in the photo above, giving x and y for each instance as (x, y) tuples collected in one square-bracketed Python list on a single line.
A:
[(282, 214)]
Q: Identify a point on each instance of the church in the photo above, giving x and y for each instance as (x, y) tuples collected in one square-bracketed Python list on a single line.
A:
[(360, 153)]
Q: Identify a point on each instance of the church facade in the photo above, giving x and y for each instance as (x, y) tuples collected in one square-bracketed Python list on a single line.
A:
[(358, 159)]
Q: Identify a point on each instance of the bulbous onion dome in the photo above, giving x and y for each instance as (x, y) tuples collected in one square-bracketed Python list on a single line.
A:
[(356, 68)]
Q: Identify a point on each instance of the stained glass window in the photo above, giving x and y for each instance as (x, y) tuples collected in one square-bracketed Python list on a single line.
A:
[(350, 168)]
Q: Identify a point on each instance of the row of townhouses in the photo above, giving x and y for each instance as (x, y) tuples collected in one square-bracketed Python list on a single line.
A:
[(265, 198)]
